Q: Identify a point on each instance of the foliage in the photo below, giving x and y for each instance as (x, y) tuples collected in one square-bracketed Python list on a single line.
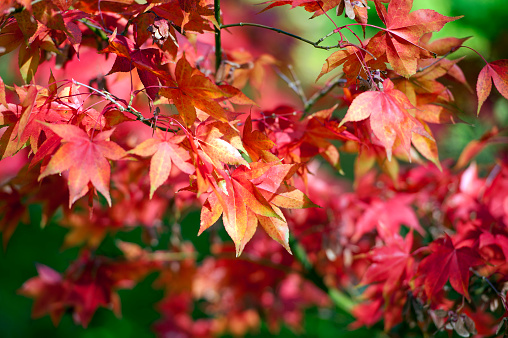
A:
[(184, 120)]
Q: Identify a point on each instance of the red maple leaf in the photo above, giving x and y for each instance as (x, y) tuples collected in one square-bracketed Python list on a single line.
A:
[(496, 71), (447, 262), (317, 6), (85, 158), (392, 264), (390, 119), (257, 143), (49, 291), (400, 40)]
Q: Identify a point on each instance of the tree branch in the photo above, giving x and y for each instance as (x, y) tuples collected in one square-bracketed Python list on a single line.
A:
[(314, 44), (218, 44), (129, 109), (321, 93)]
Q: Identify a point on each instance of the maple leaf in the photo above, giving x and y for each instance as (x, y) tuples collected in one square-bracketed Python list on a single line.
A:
[(88, 283), (447, 262), (164, 151), (496, 71), (85, 158), (191, 89), (430, 97), (11, 37), (320, 127), (400, 40), (150, 63), (257, 143), (381, 215), (219, 144), (244, 67), (49, 291), (193, 15), (442, 46), (391, 264), (252, 196), (317, 6), (390, 119)]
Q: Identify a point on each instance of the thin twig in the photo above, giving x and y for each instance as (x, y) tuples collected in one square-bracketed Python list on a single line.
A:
[(129, 109), (319, 94), (293, 84), (314, 44), (499, 294), (297, 83)]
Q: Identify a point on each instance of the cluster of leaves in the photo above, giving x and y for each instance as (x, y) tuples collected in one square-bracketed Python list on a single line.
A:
[(168, 129)]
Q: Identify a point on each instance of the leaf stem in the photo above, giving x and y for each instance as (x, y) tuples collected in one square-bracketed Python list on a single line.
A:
[(474, 50)]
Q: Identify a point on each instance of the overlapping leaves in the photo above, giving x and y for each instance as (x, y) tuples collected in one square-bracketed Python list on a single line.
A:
[(254, 196)]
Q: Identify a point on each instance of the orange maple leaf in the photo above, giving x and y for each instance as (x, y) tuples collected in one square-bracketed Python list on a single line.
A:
[(191, 89), (257, 144), (164, 151), (251, 196), (85, 158)]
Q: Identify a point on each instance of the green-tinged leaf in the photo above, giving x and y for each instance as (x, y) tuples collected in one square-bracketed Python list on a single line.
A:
[(28, 60), (291, 198), (276, 229)]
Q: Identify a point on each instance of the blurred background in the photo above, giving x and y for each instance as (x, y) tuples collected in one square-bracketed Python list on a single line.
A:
[(484, 20)]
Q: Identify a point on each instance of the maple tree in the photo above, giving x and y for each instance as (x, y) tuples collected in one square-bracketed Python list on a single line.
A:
[(183, 119)]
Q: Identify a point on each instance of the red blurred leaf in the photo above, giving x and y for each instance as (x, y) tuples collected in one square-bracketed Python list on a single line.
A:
[(49, 292), (392, 264)]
